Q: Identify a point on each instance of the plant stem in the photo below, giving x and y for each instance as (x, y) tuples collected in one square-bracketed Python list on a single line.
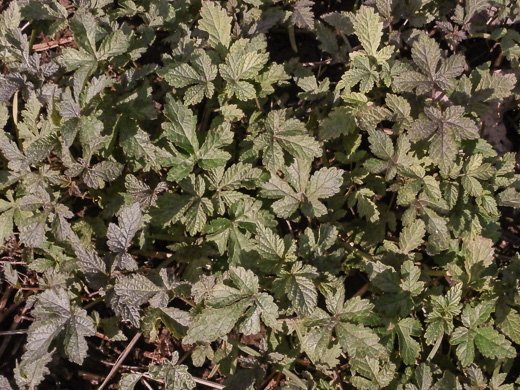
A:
[(292, 38)]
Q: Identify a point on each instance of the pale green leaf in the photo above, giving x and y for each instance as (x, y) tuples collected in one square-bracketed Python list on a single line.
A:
[(368, 28), (216, 22), (493, 345), (359, 341), (220, 322), (412, 236)]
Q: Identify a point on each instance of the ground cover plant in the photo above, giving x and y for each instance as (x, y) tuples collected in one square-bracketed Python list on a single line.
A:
[(259, 194)]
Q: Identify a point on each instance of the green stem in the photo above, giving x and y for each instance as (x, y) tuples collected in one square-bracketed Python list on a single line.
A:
[(292, 38), (481, 35), (15, 120), (434, 349), (93, 303), (244, 348), (294, 378), (433, 272), (33, 38)]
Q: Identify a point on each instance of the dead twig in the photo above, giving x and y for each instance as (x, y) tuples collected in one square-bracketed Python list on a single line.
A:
[(52, 44), (362, 290), (12, 332), (17, 320), (120, 360), (146, 384)]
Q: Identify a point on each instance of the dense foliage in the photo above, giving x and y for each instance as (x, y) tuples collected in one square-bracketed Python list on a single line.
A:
[(295, 194)]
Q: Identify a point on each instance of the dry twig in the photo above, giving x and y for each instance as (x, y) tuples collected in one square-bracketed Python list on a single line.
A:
[(120, 360), (52, 44)]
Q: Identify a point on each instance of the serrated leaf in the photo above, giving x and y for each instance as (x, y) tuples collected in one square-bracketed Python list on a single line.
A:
[(378, 377), (216, 22), (302, 15), (408, 347), (222, 320), (359, 341), (446, 127), (380, 144), (120, 236), (198, 77), (341, 121), (508, 321), (287, 135), (55, 316), (128, 381), (114, 44), (410, 275), (368, 29), (316, 344), (181, 128), (4, 383), (493, 345), (302, 191), (365, 205), (299, 286), (464, 339), (412, 236), (31, 374), (478, 255)]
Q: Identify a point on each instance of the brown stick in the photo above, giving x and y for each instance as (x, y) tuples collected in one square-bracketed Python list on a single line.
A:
[(12, 332), (362, 290), (120, 360), (52, 44), (17, 320)]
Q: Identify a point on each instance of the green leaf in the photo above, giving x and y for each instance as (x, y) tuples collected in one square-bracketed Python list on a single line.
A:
[(509, 198), (128, 381), (299, 286), (32, 230), (475, 316), (493, 345), (55, 316), (423, 378), (365, 205), (408, 347), (181, 128), (374, 376), (368, 29), (360, 342), (174, 376), (410, 278), (302, 15), (464, 339), (508, 321), (220, 322), (362, 71), (380, 144), (131, 292), (216, 22), (302, 191), (114, 44), (412, 236), (444, 128), (198, 77), (445, 308), (120, 236), (436, 72), (29, 374), (316, 345), (478, 255), (341, 121), (288, 135)]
